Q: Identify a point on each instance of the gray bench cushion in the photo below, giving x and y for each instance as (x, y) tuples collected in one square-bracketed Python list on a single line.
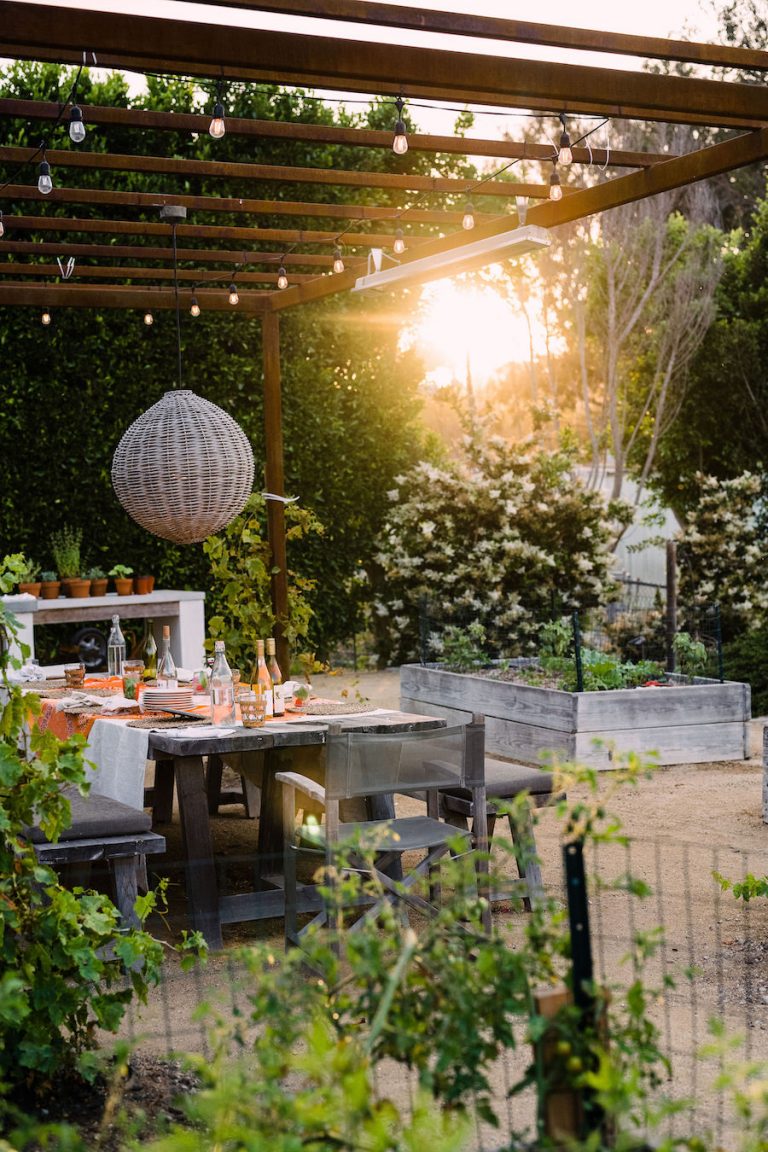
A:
[(97, 816), (503, 780)]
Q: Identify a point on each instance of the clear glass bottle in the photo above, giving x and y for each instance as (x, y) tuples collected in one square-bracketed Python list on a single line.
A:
[(278, 694), (222, 689), (115, 649), (149, 653), (263, 679), (166, 668)]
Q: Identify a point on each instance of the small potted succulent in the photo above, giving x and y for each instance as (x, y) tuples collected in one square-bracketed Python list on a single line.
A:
[(123, 578), (99, 581), (65, 546), (29, 582), (50, 586)]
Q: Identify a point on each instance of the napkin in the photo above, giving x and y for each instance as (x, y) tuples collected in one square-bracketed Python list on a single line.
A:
[(195, 731), (103, 703)]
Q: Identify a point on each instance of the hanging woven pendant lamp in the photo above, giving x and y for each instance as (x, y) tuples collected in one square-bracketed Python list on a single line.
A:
[(185, 468)]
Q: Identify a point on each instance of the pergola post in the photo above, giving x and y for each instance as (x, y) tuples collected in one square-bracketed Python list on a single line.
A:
[(275, 479)]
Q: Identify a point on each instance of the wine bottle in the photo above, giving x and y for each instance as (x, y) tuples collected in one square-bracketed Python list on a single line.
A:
[(166, 668), (149, 653), (263, 679), (115, 649), (222, 689), (276, 676)]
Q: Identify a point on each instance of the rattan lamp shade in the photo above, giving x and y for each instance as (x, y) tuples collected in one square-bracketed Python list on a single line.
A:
[(184, 469)]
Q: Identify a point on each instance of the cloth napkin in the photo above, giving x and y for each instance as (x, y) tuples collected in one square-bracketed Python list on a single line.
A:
[(102, 703), (195, 731)]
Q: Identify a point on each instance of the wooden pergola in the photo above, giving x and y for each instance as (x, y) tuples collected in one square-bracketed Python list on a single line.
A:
[(220, 50)]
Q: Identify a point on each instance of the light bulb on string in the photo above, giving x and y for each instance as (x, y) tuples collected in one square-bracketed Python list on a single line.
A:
[(469, 216), (555, 187), (338, 260), (282, 278), (217, 127), (2, 226), (45, 318), (233, 296), (565, 154), (194, 307), (400, 139), (76, 125), (148, 318), (44, 182), (399, 244)]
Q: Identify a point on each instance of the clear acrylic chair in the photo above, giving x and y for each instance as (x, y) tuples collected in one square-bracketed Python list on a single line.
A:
[(377, 765)]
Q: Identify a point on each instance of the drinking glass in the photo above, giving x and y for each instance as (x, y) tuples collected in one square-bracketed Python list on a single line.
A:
[(74, 675), (253, 709), (133, 676)]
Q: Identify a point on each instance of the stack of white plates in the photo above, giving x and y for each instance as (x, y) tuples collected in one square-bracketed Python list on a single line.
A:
[(157, 699)]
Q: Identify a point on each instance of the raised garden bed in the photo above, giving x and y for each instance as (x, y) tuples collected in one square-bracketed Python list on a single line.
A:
[(683, 723)]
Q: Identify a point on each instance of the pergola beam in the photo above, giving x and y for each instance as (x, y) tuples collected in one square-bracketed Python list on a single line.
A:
[(277, 173), (44, 32), (109, 296), (146, 119), (521, 32), (116, 272), (37, 248), (151, 201)]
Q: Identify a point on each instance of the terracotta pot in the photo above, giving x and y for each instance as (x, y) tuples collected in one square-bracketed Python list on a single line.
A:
[(33, 589), (123, 585), (49, 589), (151, 583), (143, 585), (99, 587), (79, 589), (65, 583)]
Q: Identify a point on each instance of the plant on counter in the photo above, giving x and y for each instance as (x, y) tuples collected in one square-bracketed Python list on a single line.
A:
[(120, 572), (96, 574), (28, 577), (65, 546), (241, 571)]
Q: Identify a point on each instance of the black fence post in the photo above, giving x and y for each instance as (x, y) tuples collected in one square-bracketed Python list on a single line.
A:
[(719, 643), (423, 634), (577, 651), (671, 616)]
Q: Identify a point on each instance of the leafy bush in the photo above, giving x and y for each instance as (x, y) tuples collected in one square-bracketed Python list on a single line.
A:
[(496, 537), (65, 546), (745, 659), (67, 967)]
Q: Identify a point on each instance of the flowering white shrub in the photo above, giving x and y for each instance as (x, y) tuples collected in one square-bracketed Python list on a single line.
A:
[(722, 548), (500, 537)]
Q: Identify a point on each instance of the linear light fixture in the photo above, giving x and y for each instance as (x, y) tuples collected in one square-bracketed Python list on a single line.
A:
[(467, 258)]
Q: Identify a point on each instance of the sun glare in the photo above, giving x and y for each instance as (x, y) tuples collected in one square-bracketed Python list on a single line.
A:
[(468, 327)]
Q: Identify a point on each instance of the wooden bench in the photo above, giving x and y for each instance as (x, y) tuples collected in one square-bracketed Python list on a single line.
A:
[(104, 829)]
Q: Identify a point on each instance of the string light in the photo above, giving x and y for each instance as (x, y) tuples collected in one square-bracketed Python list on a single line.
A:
[(555, 188), (194, 307), (282, 278), (565, 155), (44, 182), (233, 296), (469, 216), (148, 318), (45, 318), (338, 260), (400, 141), (217, 127), (76, 125), (2, 226), (399, 245)]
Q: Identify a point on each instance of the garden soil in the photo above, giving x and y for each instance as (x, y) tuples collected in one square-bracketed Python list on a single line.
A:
[(684, 822)]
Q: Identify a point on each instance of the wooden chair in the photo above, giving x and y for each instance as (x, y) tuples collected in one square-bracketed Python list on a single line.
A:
[(377, 765), (104, 829), (505, 781)]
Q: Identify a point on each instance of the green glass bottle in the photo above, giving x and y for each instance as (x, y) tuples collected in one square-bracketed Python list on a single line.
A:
[(149, 653)]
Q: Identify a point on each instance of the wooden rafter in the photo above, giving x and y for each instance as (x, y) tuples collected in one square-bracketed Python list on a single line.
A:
[(38, 248), (116, 272), (43, 32), (519, 31), (112, 296)]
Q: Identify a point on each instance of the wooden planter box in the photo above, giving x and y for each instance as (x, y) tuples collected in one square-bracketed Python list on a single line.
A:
[(691, 724)]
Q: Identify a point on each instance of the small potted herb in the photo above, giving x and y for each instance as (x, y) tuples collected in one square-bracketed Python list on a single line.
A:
[(28, 578), (65, 546), (123, 578), (99, 581), (50, 586)]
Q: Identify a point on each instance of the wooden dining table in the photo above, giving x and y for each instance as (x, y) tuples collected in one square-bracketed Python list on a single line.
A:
[(262, 752)]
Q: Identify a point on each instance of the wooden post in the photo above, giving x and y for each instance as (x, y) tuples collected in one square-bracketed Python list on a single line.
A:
[(671, 603), (561, 1110), (275, 480)]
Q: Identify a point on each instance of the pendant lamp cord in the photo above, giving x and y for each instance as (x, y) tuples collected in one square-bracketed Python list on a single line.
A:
[(178, 305)]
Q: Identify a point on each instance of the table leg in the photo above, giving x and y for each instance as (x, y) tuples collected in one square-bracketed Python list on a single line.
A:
[(202, 889), (162, 793)]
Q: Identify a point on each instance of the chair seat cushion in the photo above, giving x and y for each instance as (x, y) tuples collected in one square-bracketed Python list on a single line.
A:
[(504, 780), (404, 834), (97, 816)]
